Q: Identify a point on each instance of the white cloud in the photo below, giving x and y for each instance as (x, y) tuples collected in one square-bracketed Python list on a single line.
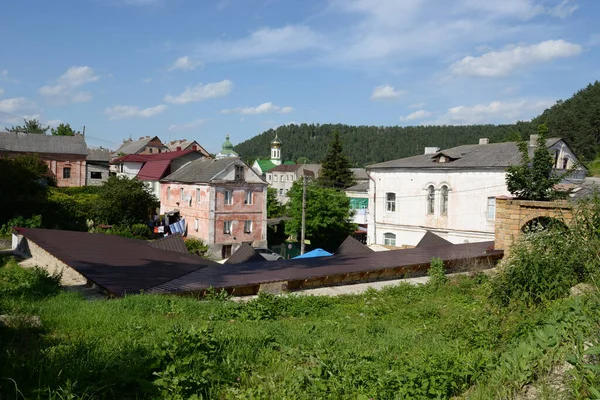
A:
[(187, 126), (263, 108), (185, 64), (417, 105), (419, 114), (502, 63), (564, 9), (16, 105), (121, 112), (264, 42), (494, 112), (201, 92), (66, 88), (386, 92)]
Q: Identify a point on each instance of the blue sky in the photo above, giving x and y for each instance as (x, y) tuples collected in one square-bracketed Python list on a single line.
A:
[(201, 69)]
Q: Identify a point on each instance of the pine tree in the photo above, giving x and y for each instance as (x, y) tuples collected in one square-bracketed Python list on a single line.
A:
[(335, 169)]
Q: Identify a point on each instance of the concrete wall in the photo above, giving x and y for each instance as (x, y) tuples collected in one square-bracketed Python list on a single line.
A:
[(513, 215), (466, 219), (101, 168)]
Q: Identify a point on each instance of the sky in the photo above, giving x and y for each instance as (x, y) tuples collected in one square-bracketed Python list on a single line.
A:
[(202, 69)]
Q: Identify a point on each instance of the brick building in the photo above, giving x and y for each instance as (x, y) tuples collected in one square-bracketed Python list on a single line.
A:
[(64, 155), (223, 202)]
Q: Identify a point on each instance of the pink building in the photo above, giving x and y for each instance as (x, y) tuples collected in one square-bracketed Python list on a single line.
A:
[(224, 203)]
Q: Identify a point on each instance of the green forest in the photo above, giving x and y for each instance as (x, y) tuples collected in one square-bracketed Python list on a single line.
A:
[(576, 119)]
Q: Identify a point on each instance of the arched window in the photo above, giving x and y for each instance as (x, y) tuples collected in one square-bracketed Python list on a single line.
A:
[(430, 200), (390, 204), (389, 239), (444, 200)]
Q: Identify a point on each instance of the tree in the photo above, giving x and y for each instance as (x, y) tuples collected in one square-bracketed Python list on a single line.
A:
[(328, 215), (31, 126), (124, 201), (274, 208), (534, 179), (64, 130), (335, 168)]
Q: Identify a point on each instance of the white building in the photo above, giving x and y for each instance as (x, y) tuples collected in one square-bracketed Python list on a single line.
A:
[(450, 192), (283, 176)]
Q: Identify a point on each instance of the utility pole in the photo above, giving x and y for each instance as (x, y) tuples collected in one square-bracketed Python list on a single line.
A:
[(303, 229)]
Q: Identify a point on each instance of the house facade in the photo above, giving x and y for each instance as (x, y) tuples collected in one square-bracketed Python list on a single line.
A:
[(283, 176), (451, 193), (97, 166), (64, 155), (223, 203)]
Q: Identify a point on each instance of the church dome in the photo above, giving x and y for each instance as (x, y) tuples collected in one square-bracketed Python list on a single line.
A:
[(276, 142), (227, 144)]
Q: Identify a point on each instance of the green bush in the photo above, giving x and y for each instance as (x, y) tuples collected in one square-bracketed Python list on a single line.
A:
[(141, 231), (436, 272), (33, 222), (197, 247), (19, 282)]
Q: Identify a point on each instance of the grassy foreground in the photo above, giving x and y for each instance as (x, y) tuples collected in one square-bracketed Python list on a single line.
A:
[(405, 342)]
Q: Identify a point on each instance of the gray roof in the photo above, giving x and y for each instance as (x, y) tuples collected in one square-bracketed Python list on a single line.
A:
[(202, 170), (134, 146), (102, 155), (360, 174), (359, 187), (494, 155), (38, 143)]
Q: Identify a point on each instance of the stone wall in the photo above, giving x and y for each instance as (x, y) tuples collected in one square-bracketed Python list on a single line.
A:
[(513, 215)]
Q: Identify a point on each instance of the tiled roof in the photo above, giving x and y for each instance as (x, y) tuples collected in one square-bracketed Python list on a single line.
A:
[(352, 246), (101, 155), (133, 146), (202, 170), (38, 143), (171, 243), (184, 144), (169, 155), (286, 168), (430, 239), (493, 155), (153, 170), (117, 264), (244, 254)]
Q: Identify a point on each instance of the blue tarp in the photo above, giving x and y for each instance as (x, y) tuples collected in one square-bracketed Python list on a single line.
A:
[(314, 253)]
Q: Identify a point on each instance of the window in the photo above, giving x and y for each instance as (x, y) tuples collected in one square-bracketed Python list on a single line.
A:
[(248, 197), (247, 226), (491, 208), (194, 147), (227, 227), (556, 153), (390, 202), (389, 239), (281, 192), (565, 163), (239, 172), (181, 194), (66, 172), (150, 150), (96, 175), (120, 167), (196, 224), (228, 197), (430, 200), (197, 195), (444, 200), (274, 178), (159, 150), (168, 192), (226, 251), (269, 177)]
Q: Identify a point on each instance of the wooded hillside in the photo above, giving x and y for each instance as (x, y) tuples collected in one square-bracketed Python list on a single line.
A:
[(576, 119)]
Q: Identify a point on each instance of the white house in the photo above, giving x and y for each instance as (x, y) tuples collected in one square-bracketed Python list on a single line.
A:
[(283, 176), (449, 192)]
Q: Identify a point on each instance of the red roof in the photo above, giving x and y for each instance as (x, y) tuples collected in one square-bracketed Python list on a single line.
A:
[(153, 170), (170, 155)]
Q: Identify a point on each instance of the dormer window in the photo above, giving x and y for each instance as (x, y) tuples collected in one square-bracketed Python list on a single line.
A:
[(239, 173), (442, 159)]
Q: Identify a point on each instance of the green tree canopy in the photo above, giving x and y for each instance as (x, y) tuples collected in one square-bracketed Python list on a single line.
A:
[(335, 168), (63, 130), (328, 215), (31, 126), (123, 201), (534, 179), (274, 208)]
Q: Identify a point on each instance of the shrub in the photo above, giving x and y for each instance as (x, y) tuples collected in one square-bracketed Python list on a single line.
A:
[(437, 275), (140, 231), (197, 247), (33, 222)]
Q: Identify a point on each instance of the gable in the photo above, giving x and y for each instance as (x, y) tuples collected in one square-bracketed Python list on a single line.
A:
[(228, 174)]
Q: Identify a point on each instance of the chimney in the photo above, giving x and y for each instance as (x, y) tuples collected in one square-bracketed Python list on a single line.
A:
[(533, 140), (431, 150), (141, 137), (484, 140)]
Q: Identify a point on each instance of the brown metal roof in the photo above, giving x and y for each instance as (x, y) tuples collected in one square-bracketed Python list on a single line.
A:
[(430, 239), (352, 246), (171, 243), (117, 264), (244, 254), (307, 268)]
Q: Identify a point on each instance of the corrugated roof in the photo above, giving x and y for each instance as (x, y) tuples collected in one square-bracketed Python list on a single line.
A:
[(430, 239), (117, 264), (100, 155), (286, 168), (169, 155), (171, 243), (153, 170), (202, 170), (493, 155), (307, 268), (352, 246), (38, 143), (244, 254), (133, 146)]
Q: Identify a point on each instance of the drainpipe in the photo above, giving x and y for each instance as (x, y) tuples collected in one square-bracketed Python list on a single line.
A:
[(374, 207)]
